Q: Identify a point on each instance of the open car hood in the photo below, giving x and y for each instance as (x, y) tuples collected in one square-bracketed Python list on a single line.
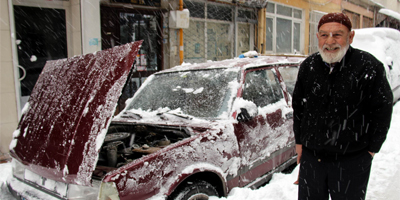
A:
[(68, 113)]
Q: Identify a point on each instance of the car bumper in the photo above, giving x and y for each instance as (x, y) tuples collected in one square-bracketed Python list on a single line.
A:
[(23, 190)]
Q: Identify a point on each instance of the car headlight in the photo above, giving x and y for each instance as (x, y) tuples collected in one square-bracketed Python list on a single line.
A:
[(74, 192), (83, 192), (18, 169), (108, 191)]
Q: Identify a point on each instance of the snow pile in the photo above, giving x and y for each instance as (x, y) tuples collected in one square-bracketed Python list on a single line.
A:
[(384, 44), (390, 13)]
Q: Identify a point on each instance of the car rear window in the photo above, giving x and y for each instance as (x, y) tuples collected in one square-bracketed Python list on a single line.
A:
[(289, 75)]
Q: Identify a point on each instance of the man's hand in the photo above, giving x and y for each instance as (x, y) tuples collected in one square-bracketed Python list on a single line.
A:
[(299, 150)]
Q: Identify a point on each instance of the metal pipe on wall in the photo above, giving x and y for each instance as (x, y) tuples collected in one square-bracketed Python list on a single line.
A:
[(180, 37)]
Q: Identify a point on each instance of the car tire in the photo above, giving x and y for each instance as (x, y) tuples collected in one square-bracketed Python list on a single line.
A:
[(196, 190)]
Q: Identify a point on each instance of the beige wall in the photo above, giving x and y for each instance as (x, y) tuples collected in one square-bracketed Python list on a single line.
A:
[(8, 102), (90, 29)]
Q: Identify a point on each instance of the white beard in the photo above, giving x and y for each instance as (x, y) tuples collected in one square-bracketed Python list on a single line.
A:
[(333, 57)]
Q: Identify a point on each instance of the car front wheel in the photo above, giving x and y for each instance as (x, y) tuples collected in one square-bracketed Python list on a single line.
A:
[(197, 190)]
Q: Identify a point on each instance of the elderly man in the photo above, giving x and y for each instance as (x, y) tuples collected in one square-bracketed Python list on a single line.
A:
[(342, 111)]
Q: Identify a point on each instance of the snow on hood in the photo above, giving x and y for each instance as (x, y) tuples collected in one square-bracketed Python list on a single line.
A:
[(67, 115)]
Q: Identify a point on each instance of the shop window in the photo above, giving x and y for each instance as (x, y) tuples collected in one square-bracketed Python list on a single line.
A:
[(219, 41), (243, 38), (212, 34), (136, 27), (123, 25), (247, 14), (194, 41), (196, 9), (219, 12)]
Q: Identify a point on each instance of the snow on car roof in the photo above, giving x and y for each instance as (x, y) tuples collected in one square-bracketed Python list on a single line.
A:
[(237, 63)]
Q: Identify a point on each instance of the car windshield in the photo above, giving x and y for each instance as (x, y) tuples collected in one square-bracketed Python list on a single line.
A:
[(200, 93)]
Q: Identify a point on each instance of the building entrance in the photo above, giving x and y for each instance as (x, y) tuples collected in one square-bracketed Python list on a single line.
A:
[(40, 36)]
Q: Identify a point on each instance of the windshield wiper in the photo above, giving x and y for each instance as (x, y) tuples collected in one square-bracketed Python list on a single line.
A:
[(178, 115), (131, 115)]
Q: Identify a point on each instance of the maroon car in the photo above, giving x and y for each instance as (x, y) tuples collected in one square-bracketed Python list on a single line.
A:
[(189, 132)]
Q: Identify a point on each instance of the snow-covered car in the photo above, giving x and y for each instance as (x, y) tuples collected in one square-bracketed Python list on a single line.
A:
[(384, 44), (189, 132)]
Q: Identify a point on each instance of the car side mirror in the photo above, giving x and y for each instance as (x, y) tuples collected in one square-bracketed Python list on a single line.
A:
[(246, 110), (244, 115)]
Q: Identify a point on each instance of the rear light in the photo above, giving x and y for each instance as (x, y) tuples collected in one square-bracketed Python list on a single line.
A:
[(108, 191)]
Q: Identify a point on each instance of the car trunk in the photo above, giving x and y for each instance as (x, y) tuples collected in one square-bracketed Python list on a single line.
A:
[(64, 123)]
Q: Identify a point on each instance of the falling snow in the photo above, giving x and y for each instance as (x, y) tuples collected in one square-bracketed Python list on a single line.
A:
[(385, 176)]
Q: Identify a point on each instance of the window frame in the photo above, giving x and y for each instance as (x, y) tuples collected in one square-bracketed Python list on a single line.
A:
[(315, 16), (234, 26), (293, 20)]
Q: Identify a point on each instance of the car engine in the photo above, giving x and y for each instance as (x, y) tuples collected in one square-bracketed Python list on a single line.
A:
[(125, 143)]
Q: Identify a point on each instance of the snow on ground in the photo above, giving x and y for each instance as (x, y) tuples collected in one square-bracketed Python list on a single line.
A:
[(5, 172), (383, 184)]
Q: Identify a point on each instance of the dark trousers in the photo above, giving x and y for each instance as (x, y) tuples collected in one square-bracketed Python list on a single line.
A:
[(344, 178)]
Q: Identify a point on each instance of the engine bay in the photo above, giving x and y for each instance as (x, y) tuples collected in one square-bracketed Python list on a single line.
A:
[(125, 143)]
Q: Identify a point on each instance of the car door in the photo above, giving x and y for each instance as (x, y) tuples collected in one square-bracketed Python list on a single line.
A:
[(263, 140)]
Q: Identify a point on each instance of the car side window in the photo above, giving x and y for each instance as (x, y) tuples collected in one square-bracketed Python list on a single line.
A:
[(262, 87), (289, 75)]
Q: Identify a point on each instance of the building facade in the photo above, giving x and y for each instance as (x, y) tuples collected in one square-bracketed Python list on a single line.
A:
[(34, 31)]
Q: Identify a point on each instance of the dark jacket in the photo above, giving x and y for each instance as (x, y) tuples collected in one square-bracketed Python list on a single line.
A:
[(344, 111)]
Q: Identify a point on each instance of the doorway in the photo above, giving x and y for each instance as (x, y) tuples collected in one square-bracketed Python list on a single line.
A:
[(40, 36)]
